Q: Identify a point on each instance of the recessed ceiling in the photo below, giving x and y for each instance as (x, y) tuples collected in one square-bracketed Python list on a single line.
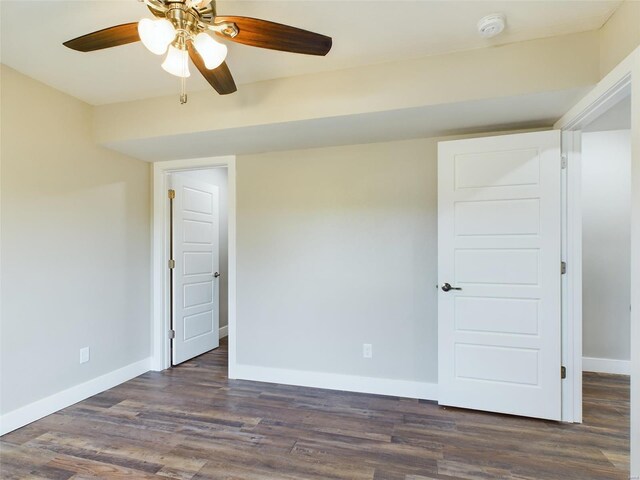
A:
[(364, 32), (490, 115)]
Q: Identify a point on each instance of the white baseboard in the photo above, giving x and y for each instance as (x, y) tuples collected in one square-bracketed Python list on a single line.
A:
[(606, 365), (41, 408), (332, 381), (224, 331)]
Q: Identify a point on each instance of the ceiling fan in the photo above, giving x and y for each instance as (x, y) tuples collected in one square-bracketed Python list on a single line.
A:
[(181, 30)]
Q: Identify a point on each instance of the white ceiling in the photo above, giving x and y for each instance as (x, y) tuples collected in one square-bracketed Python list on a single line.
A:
[(364, 32)]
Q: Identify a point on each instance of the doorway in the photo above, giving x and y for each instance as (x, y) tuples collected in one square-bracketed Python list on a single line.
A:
[(606, 241), (464, 239), (193, 170), (605, 204), (597, 318)]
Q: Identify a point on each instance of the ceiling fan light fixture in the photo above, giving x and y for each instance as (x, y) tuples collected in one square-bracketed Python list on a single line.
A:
[(156, 35), (183, 31), (177, 62), (213, 53)]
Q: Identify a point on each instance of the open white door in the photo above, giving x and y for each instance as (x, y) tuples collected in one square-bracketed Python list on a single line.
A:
[(195, 273), (499, 247)]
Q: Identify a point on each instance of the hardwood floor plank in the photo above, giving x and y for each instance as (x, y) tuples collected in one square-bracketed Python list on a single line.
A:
[(98, 469)]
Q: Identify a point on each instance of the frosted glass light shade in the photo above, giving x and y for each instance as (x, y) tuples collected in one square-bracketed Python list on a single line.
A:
[(156, 35), (213, 53), (177, 62)]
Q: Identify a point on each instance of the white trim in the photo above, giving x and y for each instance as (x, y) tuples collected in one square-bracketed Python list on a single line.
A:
[(345, 383), (41, 408), (601, 97), (572, 281), (625, 74), (608, 99), (635, 269), (161, 357), (606, 365), (223, 331)]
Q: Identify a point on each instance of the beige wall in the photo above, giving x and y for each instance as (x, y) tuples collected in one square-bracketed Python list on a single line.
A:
[(336, 248), (75, 247), (620, 35)]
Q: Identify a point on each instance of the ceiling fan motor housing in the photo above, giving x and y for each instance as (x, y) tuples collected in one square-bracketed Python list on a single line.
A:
[(183, 19)]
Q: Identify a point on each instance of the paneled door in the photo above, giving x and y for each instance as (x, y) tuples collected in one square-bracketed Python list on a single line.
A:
[(196, 285), (499, 269)]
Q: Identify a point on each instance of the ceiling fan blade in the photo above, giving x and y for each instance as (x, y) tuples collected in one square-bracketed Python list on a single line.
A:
[(275, 36), (219, 78), (105, 38)]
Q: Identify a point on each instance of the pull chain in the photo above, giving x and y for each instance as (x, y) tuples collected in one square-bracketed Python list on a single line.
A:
[(183, 90)]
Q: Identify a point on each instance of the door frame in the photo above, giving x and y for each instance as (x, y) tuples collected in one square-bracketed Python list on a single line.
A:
[(160, 314), (624, 77)]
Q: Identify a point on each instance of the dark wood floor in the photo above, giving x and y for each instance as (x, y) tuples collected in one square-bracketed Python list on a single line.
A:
[(192, 423)]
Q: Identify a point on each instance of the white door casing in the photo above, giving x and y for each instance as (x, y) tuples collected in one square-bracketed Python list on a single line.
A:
[(196, 253), (499, 240)]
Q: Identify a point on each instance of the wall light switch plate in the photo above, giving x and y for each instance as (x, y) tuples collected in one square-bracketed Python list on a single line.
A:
[(84, 355), (367, 350)]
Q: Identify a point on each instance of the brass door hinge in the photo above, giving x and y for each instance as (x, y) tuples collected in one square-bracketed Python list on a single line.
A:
[(172, 334), (172, 194), (563, 267), (563, 372), (172, 263)]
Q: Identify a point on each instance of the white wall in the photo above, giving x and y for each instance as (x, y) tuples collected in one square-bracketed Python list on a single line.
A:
[(75, 249), (218, 177), (606, 203)]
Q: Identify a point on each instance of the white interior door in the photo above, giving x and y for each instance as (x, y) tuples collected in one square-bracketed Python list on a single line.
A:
[(499, 247), (196, 286)]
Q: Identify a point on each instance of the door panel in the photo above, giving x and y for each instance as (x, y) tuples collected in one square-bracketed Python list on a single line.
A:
[(497, 217), (197, 294), (498, 315), (196, 255), (197, 263), (499, 247), (497, 364), (198, 232), (496, 266), (497, 169)]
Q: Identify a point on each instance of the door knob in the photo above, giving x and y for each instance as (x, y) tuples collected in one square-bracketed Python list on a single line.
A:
[(216, 275), (446, 287)]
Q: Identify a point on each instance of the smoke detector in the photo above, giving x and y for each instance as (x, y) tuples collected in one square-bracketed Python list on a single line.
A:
[(491, 25)]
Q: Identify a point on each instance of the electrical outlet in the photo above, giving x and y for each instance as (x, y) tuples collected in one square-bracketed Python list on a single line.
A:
[(367, 350), (84, 355)]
